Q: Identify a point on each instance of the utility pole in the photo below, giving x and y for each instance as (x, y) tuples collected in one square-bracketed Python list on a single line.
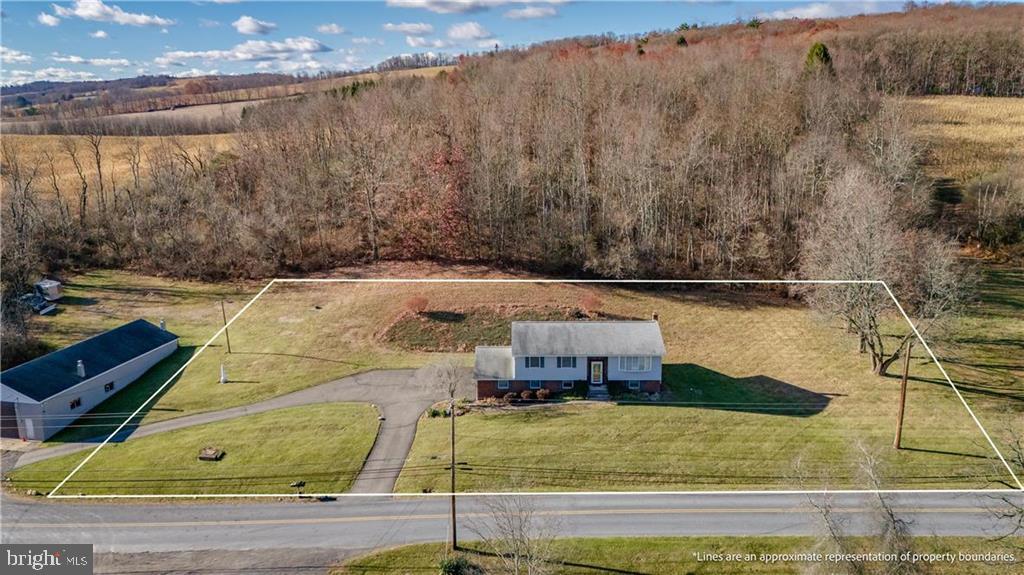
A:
[(455, 539), (224, 315), (903, 396)]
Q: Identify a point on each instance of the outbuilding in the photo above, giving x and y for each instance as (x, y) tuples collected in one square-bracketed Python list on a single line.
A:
[(43, 396)]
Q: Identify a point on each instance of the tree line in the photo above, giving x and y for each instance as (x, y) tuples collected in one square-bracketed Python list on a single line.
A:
[(698, 160)]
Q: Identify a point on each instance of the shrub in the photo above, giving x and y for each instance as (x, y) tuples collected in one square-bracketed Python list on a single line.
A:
[(526, 394), (818, 58), (543, 394), (754, 23), (681, 41), (435, 412), (456, 565), (416, 304), (510, 396)]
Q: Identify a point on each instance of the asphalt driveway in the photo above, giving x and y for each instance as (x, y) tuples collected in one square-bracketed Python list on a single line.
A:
[(400, 396)]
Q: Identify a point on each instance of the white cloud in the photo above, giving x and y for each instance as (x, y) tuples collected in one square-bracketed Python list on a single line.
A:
[(531, 13), (462, 6), (489, 43), (251, 51), (226, 1), (195, 73), (367, 40), (97, 11), (99, 34), (830, 10), (10, 55), (468, 31), (207, 23), (249, 25), (71, 59), (410, 28), (14, 77), (47, 19), (331, 28), (421, 42)]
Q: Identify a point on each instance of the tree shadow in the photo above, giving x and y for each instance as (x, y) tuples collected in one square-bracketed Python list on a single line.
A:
[(697, 386), (474, 549), (72, 300), (97, 424), (967, 387), (445, 316)]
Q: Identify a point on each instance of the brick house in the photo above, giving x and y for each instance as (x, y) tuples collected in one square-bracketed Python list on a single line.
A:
[(563, 355)]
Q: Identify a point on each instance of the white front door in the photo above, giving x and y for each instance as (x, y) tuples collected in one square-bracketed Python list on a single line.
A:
[(597, 372)]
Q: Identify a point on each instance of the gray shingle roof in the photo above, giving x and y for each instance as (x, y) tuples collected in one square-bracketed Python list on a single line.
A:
[(54, 372), (587, 338), (493, 363)]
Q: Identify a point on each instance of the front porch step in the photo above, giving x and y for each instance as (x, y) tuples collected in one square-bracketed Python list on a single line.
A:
[(598, 393)]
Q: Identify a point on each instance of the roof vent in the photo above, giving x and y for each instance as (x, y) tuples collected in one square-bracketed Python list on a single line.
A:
[(163, 324), (81, 369)]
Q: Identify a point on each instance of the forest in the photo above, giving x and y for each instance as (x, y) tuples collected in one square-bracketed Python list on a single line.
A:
[(693, 153)]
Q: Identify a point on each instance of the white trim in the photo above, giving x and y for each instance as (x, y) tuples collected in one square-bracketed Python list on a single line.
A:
[(503, 384), (270, 284), (539, 384), (568, 385)]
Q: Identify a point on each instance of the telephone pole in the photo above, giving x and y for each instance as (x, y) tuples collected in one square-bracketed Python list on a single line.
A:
[(903, 396), (455, 536), (224, 315)]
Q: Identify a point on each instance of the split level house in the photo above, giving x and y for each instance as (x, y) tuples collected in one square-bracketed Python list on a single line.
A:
[(40, 397), (565, 355)]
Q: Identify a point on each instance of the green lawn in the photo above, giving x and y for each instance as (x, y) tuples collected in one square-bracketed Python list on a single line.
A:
[(663, 556), (984, 354), (323, 445), (766, 396)]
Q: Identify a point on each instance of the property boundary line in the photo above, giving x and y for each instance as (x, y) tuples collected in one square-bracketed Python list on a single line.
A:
[(53, 493)]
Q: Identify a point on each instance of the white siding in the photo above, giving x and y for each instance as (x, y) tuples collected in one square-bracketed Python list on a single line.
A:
[(57, 410), (615, 374), (551, 371)]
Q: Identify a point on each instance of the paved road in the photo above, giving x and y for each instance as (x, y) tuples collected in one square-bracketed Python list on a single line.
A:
[(373, 522), (401, 396)]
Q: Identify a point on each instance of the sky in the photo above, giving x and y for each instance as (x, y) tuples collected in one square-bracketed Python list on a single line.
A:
[(105, 39)]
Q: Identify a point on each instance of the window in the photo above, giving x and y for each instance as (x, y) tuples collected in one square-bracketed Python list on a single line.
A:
[(76, 403), (503, 384), (634, 363), (535, 384), (566, 361), (108, 387), (634, 384), (534, 361), (567, 385)]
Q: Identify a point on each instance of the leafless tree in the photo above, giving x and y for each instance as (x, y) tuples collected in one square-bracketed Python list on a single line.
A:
[(515, 532), (856, 237)]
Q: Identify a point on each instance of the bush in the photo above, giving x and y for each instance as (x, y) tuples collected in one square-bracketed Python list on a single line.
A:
[(456, 565), (435, 412), (511, 396), (526, 394), (417, 304), (543, 394), (681, 41)]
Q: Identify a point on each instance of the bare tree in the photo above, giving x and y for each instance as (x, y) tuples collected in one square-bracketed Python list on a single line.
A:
[(516, 533), (855, 236)]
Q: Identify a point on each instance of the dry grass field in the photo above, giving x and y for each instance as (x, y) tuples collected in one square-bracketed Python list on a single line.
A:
[(969, 136), (114, 149)]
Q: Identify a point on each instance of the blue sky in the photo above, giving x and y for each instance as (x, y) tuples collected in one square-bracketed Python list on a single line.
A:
[(94, 39)]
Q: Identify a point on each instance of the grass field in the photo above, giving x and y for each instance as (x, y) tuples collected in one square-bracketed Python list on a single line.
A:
[(114, 150), (967, 136), (665, 556), (264, 453), (740, 366)]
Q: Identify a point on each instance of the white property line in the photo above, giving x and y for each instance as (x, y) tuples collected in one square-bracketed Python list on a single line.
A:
[(53, 492)]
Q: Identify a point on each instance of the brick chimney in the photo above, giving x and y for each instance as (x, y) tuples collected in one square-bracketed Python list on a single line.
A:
[(80, 368)]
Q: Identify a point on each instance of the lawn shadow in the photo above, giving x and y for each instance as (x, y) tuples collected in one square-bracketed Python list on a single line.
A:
[(474, 549), (697, 386), (96, 425), (72, 300)]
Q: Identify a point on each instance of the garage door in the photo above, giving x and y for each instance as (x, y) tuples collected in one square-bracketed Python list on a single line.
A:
[(8, 420)]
